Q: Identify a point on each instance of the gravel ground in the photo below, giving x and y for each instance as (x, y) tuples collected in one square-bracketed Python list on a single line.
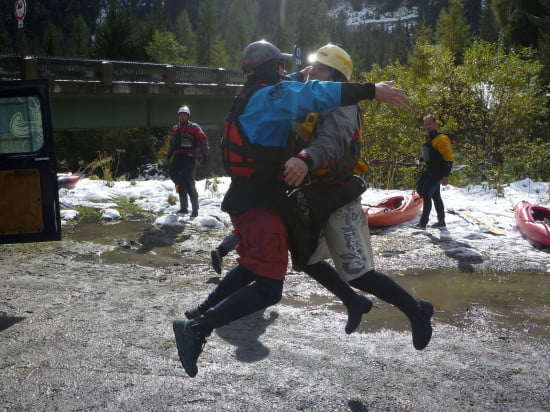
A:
[(87, 327)]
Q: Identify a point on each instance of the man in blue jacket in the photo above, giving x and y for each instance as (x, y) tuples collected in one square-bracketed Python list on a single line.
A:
[(256, 146)]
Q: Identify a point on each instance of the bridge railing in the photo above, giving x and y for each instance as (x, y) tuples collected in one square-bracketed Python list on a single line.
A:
[(15, 67)]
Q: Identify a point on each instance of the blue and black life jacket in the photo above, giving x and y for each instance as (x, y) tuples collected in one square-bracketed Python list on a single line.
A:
[(241, 158)]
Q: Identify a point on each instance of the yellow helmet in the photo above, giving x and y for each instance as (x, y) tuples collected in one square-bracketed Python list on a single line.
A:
[(335, 57)]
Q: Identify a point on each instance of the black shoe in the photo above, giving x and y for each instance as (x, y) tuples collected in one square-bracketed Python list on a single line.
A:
[(420, 225), (421, 324), (183, 211), (193, 313), (216, 260), (439, 224), (189, 344), (361, 306), (194, 213)]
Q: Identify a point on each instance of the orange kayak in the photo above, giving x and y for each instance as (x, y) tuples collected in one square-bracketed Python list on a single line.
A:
[(533, 222), (393, 210)]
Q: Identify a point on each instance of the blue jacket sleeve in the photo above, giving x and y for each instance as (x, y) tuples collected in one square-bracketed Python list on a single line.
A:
[(267, 117)]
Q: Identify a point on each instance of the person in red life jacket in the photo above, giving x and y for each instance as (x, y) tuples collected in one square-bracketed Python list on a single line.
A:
[(186, 140), (255, 146), (333, 197), (437, 154)]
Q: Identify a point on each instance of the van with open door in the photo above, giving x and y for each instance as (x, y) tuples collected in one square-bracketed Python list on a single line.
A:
[(29, 199)]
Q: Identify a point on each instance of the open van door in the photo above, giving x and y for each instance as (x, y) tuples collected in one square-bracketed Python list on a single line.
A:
[(29, 199)]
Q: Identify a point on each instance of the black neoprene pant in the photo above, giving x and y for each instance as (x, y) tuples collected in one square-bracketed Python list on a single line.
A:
[(383, 287)]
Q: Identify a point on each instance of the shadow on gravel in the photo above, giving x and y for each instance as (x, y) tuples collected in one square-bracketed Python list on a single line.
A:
[(153, 237), (245, 333), (356, 406), (8, 321), (460, 251)]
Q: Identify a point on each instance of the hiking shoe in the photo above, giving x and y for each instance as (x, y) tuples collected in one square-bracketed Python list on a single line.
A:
[(439, 224), (216, 260), (183, 211), (194, 213), (189, 344), (355, 312), (193, 313), (421, 324), (420, 225)]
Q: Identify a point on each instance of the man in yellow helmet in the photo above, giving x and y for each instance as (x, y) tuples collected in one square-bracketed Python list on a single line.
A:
[(334, 200)]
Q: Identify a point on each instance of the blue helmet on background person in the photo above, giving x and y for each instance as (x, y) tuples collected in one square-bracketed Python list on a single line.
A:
[(260, 60)]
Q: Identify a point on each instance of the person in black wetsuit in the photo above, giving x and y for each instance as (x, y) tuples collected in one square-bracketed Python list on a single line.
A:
[(437, 154)]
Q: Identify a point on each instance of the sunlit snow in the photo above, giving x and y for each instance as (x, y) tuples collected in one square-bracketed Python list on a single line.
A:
[(471, 211)]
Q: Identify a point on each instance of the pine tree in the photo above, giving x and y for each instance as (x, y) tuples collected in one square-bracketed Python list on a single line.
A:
[(488, 27), (51, 44), (521, 21), (219, 56), (186, 36), (6, 44), (118, 36), (284, 34), (209, 11), (241, 14), (164, 48), (77, 37), (311, 23), (452, 30)]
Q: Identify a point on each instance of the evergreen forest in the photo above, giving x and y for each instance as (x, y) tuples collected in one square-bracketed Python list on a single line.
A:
[(482, 67)]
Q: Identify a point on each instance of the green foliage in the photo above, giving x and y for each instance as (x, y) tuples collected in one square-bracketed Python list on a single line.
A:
[(51, 44), (119, 37), (219, 57), (311, 23), (127, 206), (104, 166), (185, 35), (5, 41), (488, 26), (488, 95), (452, 30), (206, 34), (164, 48), (88, 214), (172, 199), (521, 21), (490, 106), (76, 44), (75, 150), (237, 35)]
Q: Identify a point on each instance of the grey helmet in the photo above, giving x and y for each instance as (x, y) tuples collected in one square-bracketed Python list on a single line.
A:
[(260, 52)]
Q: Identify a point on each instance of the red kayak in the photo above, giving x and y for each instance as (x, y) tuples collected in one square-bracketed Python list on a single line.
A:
[(67, 180), (533, 222), (393, 210)]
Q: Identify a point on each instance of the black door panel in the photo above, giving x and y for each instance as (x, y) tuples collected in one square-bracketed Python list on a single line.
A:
[(29, 201)]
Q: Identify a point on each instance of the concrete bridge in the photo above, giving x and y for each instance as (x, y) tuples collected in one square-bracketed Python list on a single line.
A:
[(100, 94)]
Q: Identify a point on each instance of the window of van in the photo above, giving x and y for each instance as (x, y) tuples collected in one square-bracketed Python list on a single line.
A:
[(21, 129)]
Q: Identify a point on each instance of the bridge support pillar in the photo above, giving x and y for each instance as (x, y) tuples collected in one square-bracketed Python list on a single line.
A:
[(29, 68), (170, 76), (107, 73), (221, 77)]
